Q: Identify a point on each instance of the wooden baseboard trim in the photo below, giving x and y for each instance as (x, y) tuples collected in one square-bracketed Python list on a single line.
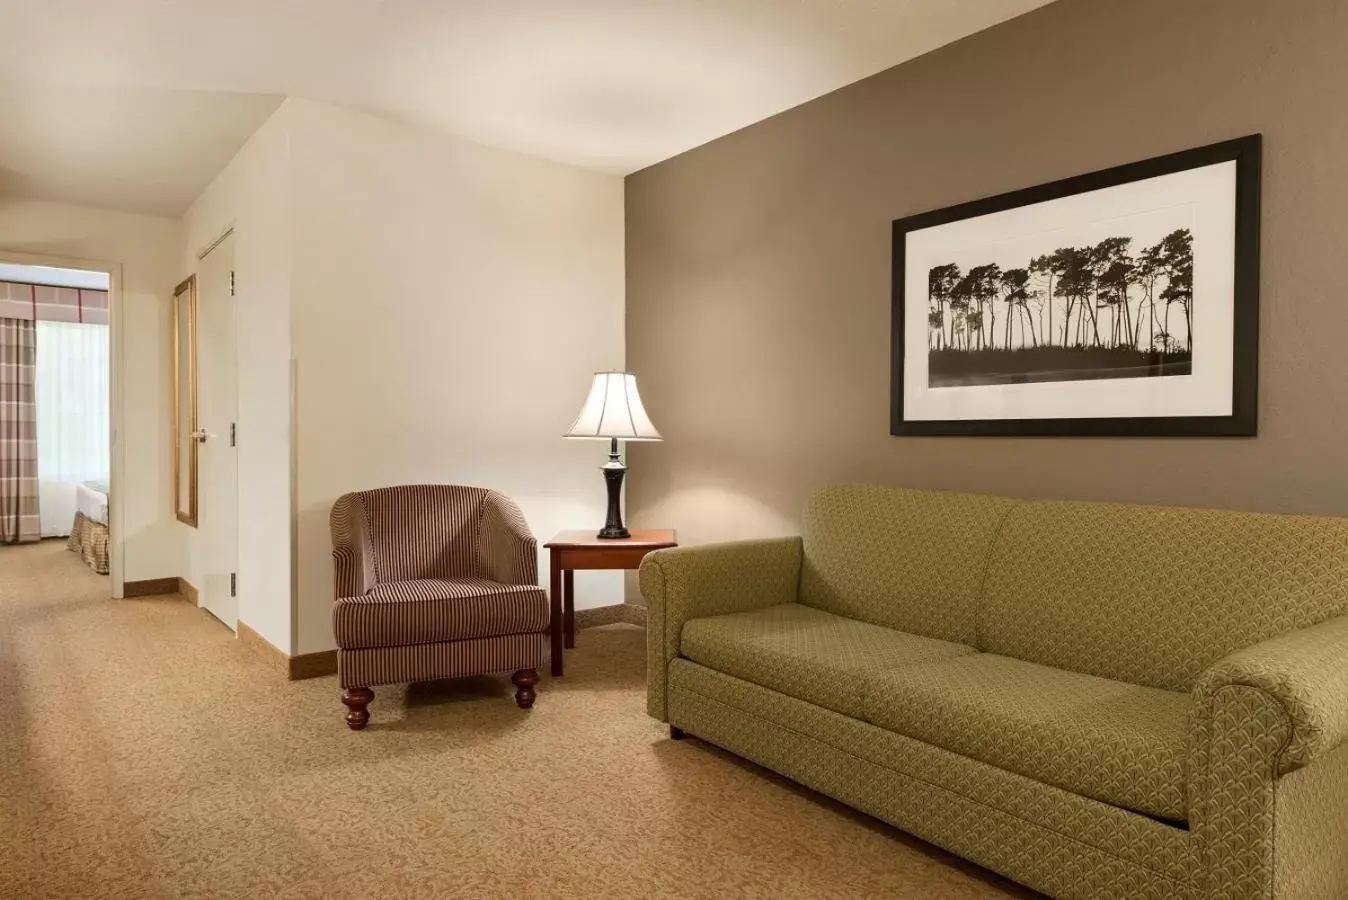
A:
[(312, 665), (189, 592), (295, 668), (150, 587), (274, 656), (611, 615)]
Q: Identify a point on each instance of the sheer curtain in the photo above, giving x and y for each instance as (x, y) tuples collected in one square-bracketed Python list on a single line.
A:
[(72, 417)]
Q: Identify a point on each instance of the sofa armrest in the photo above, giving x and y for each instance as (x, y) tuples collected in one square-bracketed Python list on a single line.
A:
[(352, 548), (1305, 673), (714, 579), (507, 549)]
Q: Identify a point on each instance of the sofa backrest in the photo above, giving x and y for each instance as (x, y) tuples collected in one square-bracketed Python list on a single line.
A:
[(1154, 595), (905, 559)]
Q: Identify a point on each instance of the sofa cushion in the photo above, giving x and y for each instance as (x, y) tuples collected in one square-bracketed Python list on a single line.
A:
[(1152, 594), (452, 609), (806, 653), (911, 560), (1119, 743)]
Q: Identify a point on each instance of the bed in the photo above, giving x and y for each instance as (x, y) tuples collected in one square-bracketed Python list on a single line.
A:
[(89, 533)]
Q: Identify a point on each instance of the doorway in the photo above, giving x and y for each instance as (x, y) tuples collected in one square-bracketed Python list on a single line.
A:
[(218, 406), (57, 366)]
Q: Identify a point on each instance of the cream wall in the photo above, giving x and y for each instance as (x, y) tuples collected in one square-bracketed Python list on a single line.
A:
[(450, 303), (148, 249), (252, 196)]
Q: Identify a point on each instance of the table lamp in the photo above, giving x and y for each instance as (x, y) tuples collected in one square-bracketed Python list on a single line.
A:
[(613, 412)]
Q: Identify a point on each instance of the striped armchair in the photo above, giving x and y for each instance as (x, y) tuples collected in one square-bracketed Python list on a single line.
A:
[(434, 581)]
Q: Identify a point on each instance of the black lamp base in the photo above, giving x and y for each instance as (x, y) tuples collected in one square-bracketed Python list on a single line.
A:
[(614, 470)]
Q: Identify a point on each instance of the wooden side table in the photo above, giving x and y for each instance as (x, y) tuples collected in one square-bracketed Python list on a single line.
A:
[(572, 550)]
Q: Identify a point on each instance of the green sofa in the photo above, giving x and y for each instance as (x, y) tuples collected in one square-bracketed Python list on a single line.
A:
[(1095, 700)]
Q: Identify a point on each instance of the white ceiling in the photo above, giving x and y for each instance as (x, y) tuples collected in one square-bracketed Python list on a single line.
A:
[(136, 104)]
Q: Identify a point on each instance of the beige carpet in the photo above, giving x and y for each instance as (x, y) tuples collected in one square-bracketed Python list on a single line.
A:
[(144, 754)]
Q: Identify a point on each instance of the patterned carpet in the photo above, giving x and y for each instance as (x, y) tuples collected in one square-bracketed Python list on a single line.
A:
[(145, 754)]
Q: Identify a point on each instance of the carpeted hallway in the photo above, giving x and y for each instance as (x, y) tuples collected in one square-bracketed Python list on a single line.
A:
[(145, 754)]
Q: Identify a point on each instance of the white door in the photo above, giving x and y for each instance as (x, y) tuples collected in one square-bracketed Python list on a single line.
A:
[(218, 406)]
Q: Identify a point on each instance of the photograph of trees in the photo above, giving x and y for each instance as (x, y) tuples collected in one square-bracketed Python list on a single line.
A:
[(1109, 309)]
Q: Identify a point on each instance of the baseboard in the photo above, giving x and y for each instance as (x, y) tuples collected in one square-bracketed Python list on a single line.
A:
[(294, 668), (150, 587), (312, 665), (161, 587), (265, 649), (611, 615)]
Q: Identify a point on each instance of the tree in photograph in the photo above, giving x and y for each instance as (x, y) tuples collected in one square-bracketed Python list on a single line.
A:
[(973, 321), (935, 329), (1113, 295), (1014, 284), (1112, 268), (1077, 284), (1169, 343), (1150, 268), (1177, 249), (961, 302), (1049, 267), (1115, 282), (983, 282), (940, 282)]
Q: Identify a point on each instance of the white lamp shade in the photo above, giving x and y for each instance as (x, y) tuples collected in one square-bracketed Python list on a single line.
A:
[(614, 410)]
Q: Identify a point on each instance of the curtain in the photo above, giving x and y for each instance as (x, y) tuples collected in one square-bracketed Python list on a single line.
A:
[(19, 520), (72, 417), (42, 302)]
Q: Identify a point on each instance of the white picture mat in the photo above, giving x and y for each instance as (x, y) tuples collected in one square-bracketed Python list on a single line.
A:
[(1206, 194)]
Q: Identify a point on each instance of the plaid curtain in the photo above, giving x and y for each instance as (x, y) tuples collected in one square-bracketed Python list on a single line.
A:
[(19, 520)]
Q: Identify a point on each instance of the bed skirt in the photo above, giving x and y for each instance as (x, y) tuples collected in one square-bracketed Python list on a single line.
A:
[(90, 540)]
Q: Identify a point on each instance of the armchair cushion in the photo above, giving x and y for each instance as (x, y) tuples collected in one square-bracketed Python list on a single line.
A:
[(427, 610)]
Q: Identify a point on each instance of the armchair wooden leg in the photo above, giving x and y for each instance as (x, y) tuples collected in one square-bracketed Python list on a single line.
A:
[(524, 680), (356, 701), (675, 733)]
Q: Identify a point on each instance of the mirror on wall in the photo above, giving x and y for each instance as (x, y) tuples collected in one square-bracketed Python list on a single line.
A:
[(185, 401)]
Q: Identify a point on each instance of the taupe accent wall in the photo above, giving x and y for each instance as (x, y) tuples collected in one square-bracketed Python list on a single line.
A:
[(758, 266)]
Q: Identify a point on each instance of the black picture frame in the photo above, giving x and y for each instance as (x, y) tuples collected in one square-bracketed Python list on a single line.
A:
[(1246, 152)]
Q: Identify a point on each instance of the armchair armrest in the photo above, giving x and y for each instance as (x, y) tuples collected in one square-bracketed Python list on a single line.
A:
[(352, 548), (507, 550), (715, 579), (1305, 673)]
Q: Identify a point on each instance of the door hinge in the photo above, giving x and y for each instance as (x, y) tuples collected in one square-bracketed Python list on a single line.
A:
[(233, 435), (233, 584), (231, 282)]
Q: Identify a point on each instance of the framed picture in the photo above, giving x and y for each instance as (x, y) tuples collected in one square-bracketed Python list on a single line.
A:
[(1124, 302)]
